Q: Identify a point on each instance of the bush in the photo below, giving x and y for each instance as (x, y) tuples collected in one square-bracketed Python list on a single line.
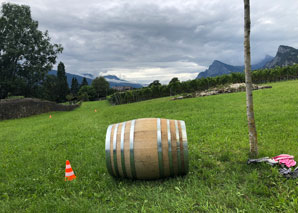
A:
[(84, 96), (87, 93)]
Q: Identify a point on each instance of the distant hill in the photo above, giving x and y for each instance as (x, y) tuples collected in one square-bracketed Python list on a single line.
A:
[(285, 56), (88, 75), (219, 68), (113, 80), (112, 77), (117, 82), (70, 76)]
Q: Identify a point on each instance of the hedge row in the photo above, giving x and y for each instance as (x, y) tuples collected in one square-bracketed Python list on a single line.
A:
[(174, 88)]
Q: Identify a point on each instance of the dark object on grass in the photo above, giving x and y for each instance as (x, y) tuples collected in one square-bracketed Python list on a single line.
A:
[(148, 148), (290, 174), (285, 169), (265, 159)]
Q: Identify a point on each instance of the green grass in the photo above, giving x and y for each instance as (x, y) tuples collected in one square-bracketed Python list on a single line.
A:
[(33, 152)]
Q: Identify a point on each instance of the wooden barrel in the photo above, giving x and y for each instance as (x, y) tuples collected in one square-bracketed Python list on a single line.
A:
[(148, 148)]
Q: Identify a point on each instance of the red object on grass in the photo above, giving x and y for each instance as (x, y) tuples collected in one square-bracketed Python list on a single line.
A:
[(69, 174)]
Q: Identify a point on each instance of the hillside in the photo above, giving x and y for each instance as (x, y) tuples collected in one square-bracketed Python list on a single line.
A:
[(34, 150)]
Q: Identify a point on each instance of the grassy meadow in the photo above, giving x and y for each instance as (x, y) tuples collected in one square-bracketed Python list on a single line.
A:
[(33, 152)]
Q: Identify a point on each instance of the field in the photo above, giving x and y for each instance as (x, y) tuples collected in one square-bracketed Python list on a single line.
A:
[(33, 152)]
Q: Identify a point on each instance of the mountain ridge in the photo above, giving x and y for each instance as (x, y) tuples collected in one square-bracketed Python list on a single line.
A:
[(113, 80), (285, 56), (220, 68)]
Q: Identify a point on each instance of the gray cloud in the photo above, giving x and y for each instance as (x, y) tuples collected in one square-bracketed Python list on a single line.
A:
[(160, 39)]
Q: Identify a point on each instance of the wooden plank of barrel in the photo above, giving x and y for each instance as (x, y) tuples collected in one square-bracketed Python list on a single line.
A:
[(148, 148)]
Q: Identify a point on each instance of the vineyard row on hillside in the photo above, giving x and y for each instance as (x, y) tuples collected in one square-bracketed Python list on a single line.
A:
[(176, 87)]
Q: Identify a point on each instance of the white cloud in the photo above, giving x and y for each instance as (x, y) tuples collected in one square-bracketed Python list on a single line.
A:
[(161, 39), (163, 72)]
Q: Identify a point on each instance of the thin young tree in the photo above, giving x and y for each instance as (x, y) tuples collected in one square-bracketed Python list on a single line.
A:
[(248, 81)]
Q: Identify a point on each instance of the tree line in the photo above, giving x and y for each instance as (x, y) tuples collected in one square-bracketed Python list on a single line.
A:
[(56, 88), (26, 57), (175, 87)]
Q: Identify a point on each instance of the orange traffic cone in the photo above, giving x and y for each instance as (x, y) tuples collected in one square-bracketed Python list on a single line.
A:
[(69, 174), (95, 110), (50, 116)]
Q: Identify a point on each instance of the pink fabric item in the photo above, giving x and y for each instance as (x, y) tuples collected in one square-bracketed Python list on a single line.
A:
[(288, 160)]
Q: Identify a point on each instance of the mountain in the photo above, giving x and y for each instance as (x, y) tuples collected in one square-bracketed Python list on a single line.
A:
[(112, 79), (285, 56), (262, 63), (88, 75), (219, 68), (117, 82), (69, 77)]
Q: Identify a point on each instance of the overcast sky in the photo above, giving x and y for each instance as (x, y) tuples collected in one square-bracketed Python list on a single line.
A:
[(143, 41)]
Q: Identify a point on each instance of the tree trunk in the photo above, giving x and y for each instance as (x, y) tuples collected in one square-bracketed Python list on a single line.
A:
[(248, 81)]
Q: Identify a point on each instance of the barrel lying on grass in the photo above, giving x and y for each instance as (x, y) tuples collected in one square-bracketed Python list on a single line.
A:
[(148, 148)]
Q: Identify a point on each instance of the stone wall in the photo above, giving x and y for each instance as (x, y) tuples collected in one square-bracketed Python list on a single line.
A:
[(19, 108)]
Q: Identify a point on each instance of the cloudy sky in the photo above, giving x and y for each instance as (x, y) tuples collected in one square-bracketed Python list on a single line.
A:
[(143, 41)]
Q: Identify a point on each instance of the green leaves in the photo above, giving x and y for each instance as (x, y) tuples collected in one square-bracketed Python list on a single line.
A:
[(25, 52), (62, 86), (101, 86)]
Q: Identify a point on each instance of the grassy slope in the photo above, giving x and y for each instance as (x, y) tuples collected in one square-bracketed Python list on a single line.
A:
[(33, 153)]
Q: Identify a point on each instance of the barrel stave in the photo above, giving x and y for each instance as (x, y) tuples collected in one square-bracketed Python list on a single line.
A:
[(147, 149), (145, 146)]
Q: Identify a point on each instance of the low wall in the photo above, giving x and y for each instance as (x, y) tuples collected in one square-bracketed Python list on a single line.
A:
[(19, 108)]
